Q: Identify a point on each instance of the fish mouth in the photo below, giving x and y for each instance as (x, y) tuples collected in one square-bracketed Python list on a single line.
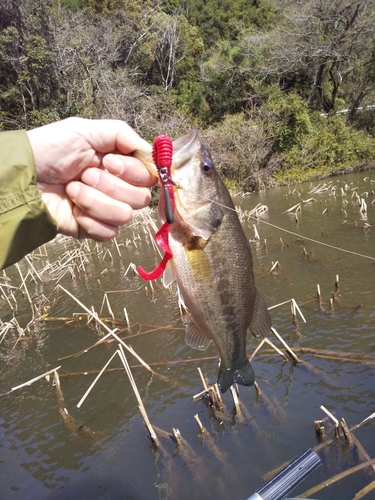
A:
[(184, 148)]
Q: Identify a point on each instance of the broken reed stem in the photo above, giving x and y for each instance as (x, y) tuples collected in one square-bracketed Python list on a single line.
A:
[(203, 380), (289, 350), (267, 341), (25, 287), (29, 382), (127, 318), (137, 395), (363, 492), (205, 391), (94, 315), (95, 380), (334, 479), (199, 424), (117, 247), (334, 420), (287, 302), (257, 349), (177, 435), (33, 268), (234, 391), (345, 430), (257, 388)]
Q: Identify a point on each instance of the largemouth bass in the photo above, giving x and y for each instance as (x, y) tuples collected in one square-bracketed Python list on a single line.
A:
[(212, 263)]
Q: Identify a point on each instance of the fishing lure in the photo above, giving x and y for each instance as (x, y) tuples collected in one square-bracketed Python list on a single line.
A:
[(162, 151)]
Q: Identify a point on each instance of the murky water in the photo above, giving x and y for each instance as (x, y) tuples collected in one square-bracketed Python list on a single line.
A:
[(104, 450)]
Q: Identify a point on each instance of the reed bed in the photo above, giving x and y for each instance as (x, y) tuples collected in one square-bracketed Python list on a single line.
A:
[(19, 289)]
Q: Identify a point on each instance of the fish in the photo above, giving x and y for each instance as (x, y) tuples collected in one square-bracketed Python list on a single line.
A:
[(212, 263)]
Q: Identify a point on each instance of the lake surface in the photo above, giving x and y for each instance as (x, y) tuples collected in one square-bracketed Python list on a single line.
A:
[(102, 450)]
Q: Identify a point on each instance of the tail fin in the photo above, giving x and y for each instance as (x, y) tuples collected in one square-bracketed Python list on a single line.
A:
[(243, 376)]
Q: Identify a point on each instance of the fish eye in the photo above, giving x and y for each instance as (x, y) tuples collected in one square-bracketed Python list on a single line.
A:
[(207, 167)]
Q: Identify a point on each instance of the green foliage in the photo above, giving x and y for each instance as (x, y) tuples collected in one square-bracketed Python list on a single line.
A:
[(224, 66), (329, 148), (223, 19), (286, 116)]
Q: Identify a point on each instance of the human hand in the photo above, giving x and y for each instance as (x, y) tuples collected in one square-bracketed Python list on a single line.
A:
[(89, 181)]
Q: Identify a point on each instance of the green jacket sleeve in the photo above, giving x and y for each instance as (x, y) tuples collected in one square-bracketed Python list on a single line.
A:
[(25, 222)]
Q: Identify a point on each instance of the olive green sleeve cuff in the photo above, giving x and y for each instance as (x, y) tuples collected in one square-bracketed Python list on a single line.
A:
[(25, 222)]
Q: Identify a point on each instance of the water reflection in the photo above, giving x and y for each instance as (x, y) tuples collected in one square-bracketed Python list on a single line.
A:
[(42, 458)]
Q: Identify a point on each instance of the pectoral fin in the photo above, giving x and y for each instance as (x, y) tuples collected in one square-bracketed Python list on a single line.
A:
[(195, 338), (169, 274), (260, 325)]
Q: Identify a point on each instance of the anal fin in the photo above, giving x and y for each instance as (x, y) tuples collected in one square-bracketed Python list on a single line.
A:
[(195, 338)]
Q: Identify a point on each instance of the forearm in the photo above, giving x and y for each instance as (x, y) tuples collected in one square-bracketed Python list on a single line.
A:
[(25, 222)]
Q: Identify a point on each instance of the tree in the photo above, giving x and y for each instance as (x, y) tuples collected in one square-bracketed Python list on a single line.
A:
[(319, 47)]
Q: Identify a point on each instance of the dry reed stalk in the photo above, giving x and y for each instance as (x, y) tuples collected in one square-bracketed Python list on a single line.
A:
[(289, 350), (318, 294), (363, 492), (25, 287), (319, 446), (112, 332), (6, 297), (5, 328), (293, 311), (95, 380), (117, 247), (256, 234), (137, 395), (334, 420), (299, 310), (109, 253), (177, 436), (203, 380), (334, 479), (205, 392), (234, 391), (267, 341), (29, 382), (337, 283), (108, 306), (294, 207), (132, 267), (347, 434), (319, 429), (33, 268), (218, 396), (275, 265), (259, 346), (351, 439), (199, 424), (345, 356), (287, 302), (127, 318)]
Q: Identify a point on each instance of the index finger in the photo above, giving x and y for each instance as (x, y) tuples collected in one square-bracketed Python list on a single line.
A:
[(129, 169)]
